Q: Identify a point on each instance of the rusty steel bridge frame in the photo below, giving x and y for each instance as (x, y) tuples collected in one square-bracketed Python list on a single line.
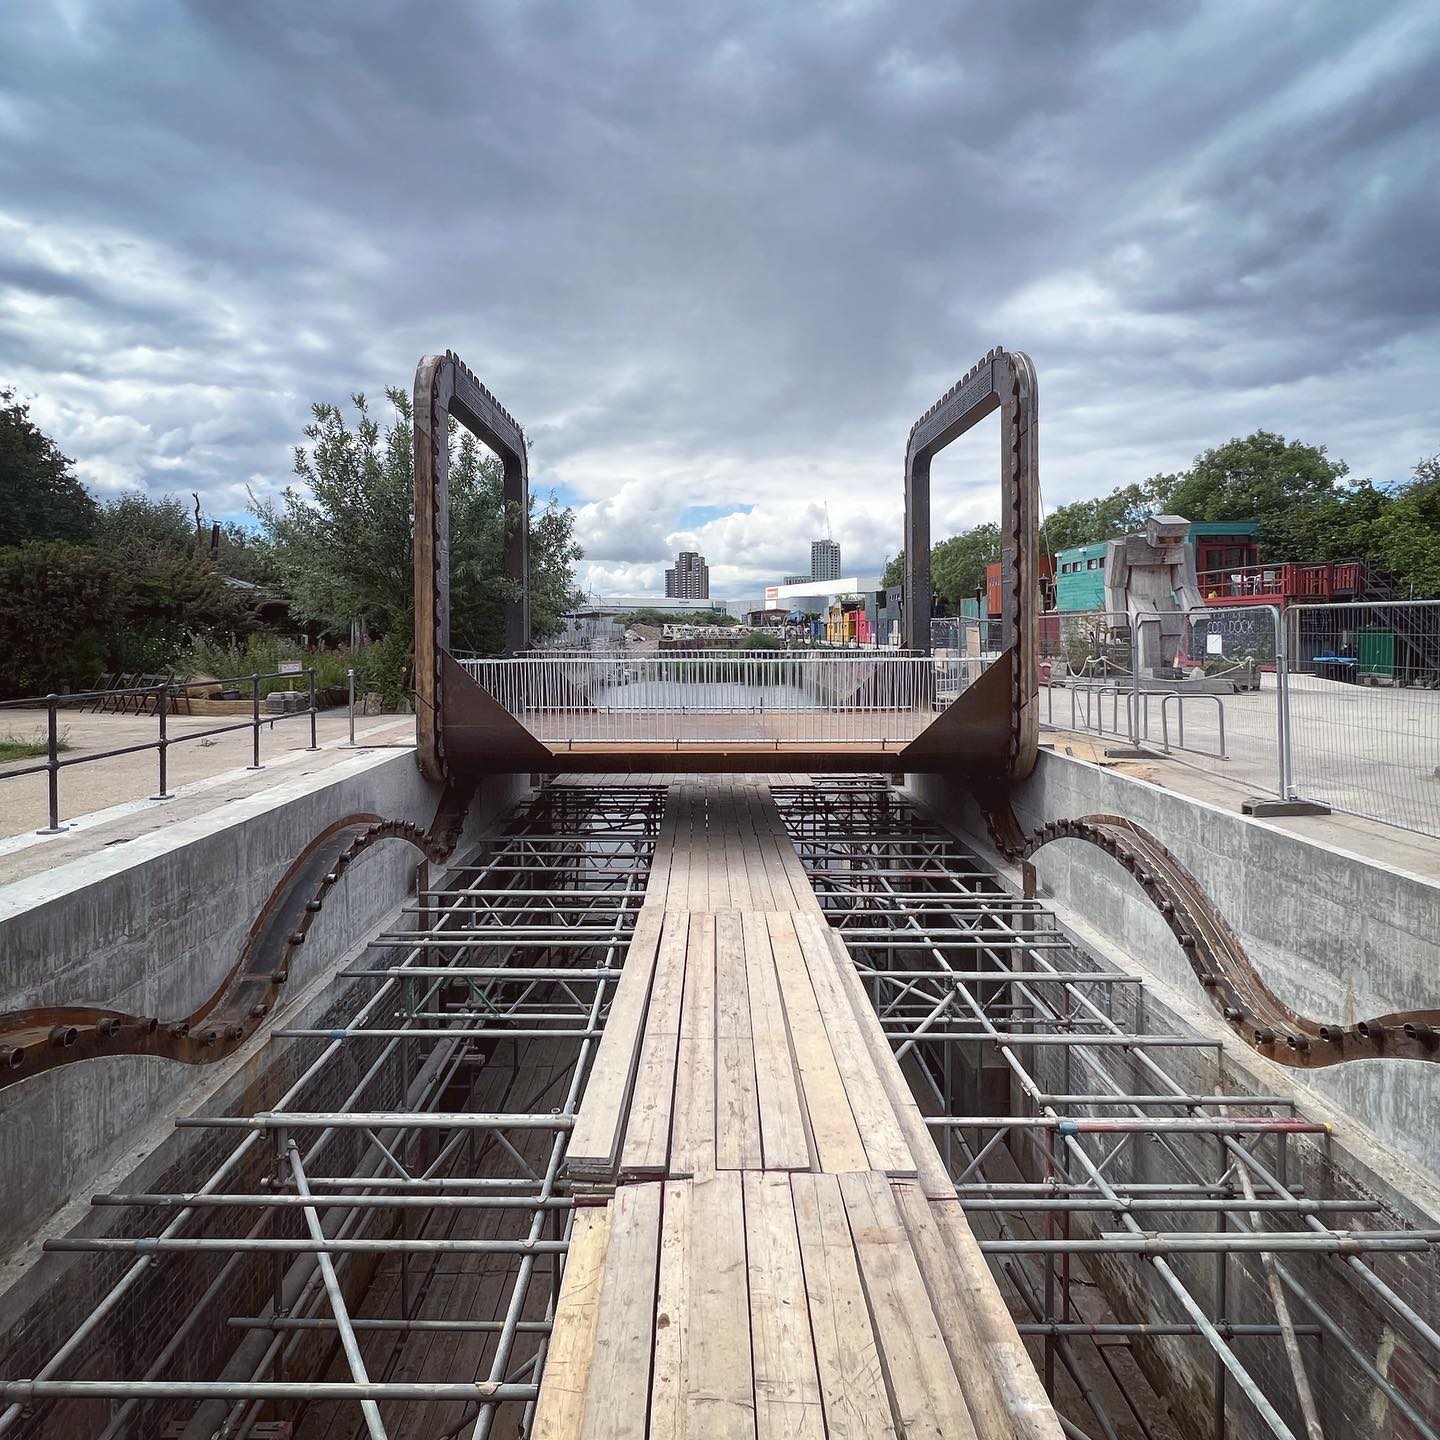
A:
[(988, 736)]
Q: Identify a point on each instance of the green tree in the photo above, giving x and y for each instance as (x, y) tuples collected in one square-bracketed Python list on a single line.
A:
[(1335, 527), (1265, 478), (176, 592), (40, 496), (1405, 537), (59, 605), (344, 552), (1085, 522), (957, 565), (894, 571), (248, 554), (142, 530)]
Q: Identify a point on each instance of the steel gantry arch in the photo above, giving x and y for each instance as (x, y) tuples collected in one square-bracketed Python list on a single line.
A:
[(446, 389), (1002, 708)]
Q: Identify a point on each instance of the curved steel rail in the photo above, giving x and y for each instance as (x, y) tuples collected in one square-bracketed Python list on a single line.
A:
[(1251, 1009), (43, 1038)]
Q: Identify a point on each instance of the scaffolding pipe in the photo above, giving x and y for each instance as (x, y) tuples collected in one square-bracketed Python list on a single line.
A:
[(348, 1341), (1303, 1394)]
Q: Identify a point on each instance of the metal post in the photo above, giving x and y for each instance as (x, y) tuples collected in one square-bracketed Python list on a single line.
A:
[(52, 766), (255, 721), (163, 744), (350, 681), (314, 743), (1286, 789), (1135, 648)]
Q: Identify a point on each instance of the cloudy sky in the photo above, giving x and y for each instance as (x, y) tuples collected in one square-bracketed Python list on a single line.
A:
[(716, 258)]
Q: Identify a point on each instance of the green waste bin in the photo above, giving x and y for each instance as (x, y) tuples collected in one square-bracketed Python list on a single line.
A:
[(1376, 652)]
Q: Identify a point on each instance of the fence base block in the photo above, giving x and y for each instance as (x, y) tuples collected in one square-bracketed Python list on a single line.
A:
[(1259, 806)]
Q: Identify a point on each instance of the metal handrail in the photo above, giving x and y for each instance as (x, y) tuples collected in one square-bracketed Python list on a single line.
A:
[(53, 763), (665, 696), (1182, 697)]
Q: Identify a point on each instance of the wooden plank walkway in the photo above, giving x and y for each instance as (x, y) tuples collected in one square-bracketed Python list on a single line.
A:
[(768, 1244)]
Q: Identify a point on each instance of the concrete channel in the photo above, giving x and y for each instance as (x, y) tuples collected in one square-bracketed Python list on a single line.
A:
[(373, 1184)]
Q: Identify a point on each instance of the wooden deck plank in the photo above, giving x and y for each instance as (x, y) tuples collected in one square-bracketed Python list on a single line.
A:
[(783, 1138), (925, 1393), (852, 1384), (930, 1168), (618, 1385), (677, 809), (599, 1125), (717, 884), (646, 1147), (885, 1145), (1005, 1354), (692, 1137), (957, 1311), (719, 1380), (560, 1408), (838, 1145), (738, 869), (672, 1318), (742, 848), (657, 877), (787, 1383), (737, 1105), (699, 850)]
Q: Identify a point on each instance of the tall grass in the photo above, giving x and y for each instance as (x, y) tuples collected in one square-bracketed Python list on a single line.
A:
[(383, 666), (261, 654)]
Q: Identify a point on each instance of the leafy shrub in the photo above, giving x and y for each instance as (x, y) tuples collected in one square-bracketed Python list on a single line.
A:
[(58, 608), (386, 668)]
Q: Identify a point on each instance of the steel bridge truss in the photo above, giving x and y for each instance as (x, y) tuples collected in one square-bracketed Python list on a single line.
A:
[(425, 1131), (1077, 1135)]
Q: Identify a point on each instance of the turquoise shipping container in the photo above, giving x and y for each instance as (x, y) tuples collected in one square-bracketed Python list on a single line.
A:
[(1080, 577)]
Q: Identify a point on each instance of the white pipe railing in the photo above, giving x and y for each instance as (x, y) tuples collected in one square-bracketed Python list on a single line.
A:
[(793, 698)]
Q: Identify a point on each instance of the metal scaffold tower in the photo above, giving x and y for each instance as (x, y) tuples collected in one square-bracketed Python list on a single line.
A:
[(1081, 1131), (416, 1151), (371, 1240)]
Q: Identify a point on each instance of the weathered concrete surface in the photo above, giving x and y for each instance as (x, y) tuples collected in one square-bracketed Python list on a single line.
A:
[(152, 926), (1332, 933)]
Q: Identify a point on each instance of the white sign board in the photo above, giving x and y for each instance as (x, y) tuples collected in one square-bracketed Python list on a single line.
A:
[(1213, 644), (291, 667)]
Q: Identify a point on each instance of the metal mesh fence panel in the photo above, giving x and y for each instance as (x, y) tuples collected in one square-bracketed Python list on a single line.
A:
[(1087, 671), (962, 647), (1364, 709), (1210, 691)]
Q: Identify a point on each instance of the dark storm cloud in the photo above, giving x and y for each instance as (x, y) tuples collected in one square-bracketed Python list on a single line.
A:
[(721, 256)]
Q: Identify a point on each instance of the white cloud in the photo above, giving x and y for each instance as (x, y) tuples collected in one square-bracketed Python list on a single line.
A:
[(723, 258)]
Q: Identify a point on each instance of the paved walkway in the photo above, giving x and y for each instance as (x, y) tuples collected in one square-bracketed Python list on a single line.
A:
[(1373, 751), (108, 801), (773, 1246)]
